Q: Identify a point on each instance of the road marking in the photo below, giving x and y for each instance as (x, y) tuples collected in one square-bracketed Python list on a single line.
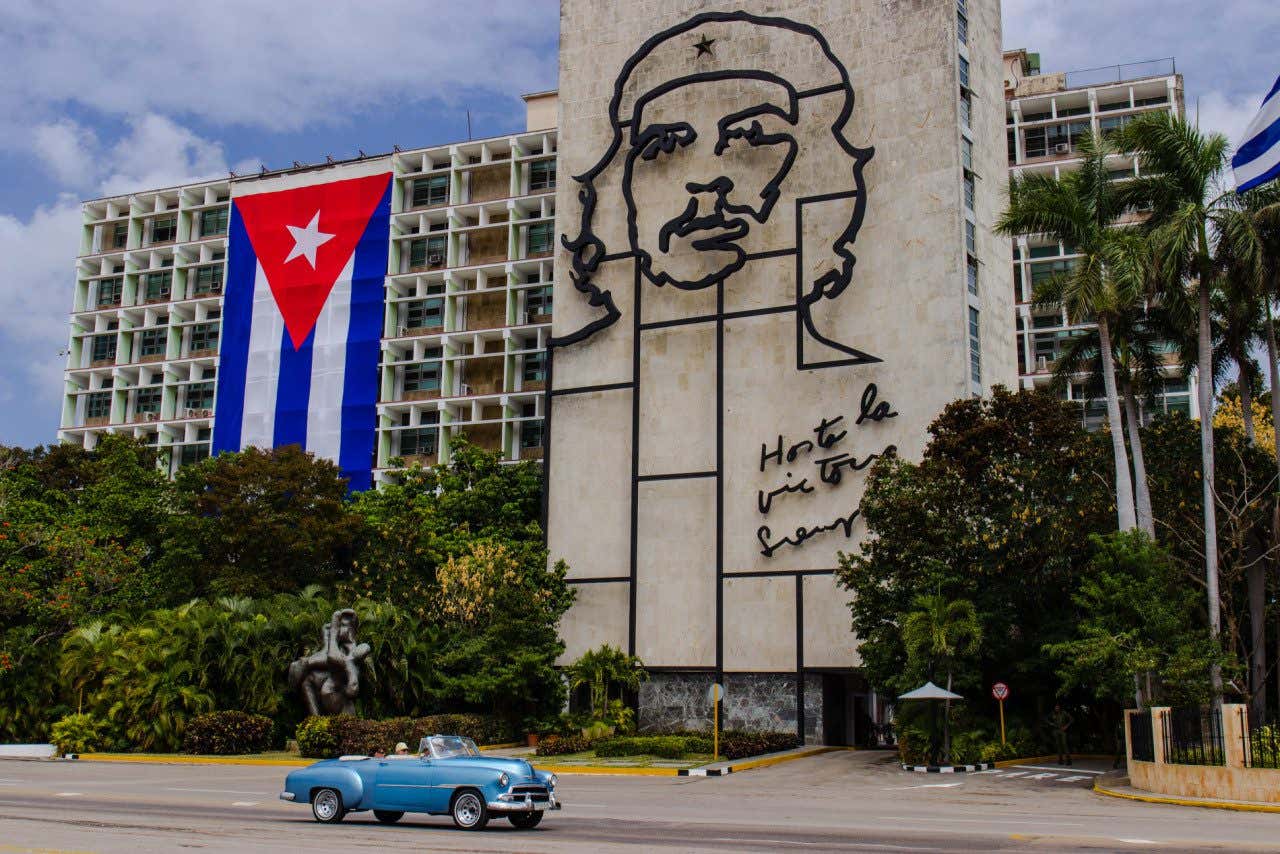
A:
[(68, 794), (1059, 768), (245, 803), (925, 786), (1138, 841), (1073, 778), (1042, 776), (1015, 774), (219, 791)]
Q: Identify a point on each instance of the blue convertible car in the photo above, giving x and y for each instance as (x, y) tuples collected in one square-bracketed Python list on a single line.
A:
[(449, 776)]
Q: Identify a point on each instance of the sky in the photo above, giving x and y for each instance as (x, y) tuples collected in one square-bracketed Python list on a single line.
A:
[(140, 95)]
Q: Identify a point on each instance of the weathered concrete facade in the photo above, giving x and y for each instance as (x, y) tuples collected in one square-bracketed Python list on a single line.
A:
[(764, 289)]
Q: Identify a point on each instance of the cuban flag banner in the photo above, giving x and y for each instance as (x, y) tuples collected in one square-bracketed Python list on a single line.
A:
[(1257, 160), (302, 318)]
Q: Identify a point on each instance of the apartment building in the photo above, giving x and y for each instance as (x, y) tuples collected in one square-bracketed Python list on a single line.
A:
[(1047, 115), (467, 304)]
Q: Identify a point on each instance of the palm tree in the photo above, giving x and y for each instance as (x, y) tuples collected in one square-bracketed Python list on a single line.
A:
[(602, 668), (1180, 170), (1139, 348), (1082, 209), (941, 631)]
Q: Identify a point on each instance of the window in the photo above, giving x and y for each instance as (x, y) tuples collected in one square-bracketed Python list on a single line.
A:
[(1107, 124), (194, 453), (962, 26), (1113, 105), (541, 237), (1045, 321), (1046, 270), (213, 222), (966, 108), (530, 431), (204, 336), (154, 341), (1064, 112), (970, 238), (158, 285), (208, 280), (419, 441), (424, 313), (120, 235), (1011, 144), (98, 405), (104, 348), (535, 368), (110, 291), (200, 395), (147, 401), (164, 229), (975, 353), (966, 154), (1049, 251), (1151, 102), (427, 252), (964, 72), (538, 301), (968, 190), (430, 191), (423, 376), (971, 274), (542, 175)]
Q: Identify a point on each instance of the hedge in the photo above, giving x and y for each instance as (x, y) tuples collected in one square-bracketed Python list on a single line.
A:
[(226, 733), (558, 745), (666, 746), (346, 734)]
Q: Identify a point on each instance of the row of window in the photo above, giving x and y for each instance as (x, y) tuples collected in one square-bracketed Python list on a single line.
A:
[(434, 189), (164, 229), (1084, 110), (147, 399), (425, 375), (154, 340)]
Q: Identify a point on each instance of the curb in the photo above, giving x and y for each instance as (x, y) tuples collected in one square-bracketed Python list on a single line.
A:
[(756, 763), (1186, 802), (1053, 757), (949, 769)]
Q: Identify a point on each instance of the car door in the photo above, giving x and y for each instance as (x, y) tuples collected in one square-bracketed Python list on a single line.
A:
[(404, 784)]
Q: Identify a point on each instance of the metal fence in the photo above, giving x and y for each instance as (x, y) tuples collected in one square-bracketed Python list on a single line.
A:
[(1118, 73), (1261, 744), (1141, 738), (1193, 737)]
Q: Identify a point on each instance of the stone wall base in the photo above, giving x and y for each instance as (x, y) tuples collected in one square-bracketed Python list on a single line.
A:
[(754, 702)]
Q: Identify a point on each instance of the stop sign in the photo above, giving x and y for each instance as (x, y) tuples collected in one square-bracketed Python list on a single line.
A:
[(1000, 691)]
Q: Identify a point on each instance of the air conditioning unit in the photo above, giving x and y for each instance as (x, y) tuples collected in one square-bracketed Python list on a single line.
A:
[(404, 330), (464, 389), (153, 416), (1042, 363), (191, 413), (435, 259), (1061, 148)]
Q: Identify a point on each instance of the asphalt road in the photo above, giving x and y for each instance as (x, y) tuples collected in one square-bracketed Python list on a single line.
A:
[(848, 801)]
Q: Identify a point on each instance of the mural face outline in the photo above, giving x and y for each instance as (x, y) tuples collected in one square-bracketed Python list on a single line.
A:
[(717, 211)]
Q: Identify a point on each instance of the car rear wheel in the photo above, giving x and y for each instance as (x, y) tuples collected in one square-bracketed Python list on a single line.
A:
[(326, 806), (388, 816), (525, 820), (469, 810)]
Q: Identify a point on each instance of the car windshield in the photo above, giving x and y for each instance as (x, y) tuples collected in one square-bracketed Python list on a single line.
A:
[(447, 747)]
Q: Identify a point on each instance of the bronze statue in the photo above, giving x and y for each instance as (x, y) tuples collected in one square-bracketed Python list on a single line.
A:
[(330, 678)]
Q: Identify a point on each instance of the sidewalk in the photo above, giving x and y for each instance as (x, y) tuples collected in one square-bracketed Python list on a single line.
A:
[(1116, 785)]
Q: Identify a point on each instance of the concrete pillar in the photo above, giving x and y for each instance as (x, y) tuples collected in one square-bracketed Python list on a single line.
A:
[(1158, 720), (1128, 732), (1235, 721)]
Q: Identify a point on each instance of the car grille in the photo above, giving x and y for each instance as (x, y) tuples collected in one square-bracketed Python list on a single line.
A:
[(535, 793)]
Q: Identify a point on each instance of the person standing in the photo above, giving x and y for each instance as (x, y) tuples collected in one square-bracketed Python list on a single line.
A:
[(1060, 721)]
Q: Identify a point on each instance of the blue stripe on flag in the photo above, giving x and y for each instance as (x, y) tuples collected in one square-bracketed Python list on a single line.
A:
[(364, 334), (237, 318), (293, 391), (1270, 174), (1258, 145)]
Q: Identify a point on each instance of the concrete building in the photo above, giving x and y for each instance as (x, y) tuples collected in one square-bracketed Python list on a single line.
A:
[(467, 303), (1047, 114), (779, 268)]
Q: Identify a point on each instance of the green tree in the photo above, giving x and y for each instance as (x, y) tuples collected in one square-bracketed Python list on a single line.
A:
[(603, 669), (1081, 209), (1179, 184), (940, 631), (267, 521)]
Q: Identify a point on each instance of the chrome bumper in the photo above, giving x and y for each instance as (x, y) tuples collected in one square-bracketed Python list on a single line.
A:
[(526, 803), (287, 796)]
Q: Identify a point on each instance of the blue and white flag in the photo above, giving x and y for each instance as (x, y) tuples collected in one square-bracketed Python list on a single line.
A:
[(302, 320), (1257, 160)]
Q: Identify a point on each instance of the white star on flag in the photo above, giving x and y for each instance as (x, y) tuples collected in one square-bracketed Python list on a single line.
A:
[(307, 240)]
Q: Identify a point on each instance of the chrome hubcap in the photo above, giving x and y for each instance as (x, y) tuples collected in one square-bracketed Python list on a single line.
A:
[(467, 810), (326, 805)]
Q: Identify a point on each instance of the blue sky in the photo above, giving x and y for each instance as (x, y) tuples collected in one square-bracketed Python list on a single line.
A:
[(137, 95)]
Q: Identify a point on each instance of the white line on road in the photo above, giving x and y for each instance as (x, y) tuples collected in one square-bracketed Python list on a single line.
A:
[(1042, 776), (244, 803), (218, 791), (1139, 841), (1059, 768), (1073, 778), (68, 794), (925, 786), (1014, 774)]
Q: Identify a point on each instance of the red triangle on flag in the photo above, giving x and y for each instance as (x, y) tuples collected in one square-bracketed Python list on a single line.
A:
[(304, 237)]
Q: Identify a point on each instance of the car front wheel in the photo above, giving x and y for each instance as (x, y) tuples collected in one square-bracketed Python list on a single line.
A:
[(469, 810), (388, 816), (525, 820), (326, 806)]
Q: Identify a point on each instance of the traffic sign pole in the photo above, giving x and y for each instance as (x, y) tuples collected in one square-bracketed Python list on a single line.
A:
[(1000, 693), (1002, 741)]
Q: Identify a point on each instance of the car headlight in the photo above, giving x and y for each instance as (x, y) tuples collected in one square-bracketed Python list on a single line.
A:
[(554, 779), (504, 780)]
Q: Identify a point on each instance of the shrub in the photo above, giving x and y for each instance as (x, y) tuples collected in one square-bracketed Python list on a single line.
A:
[(736, 745), (79, 733), (558, 745), (229, 732), (913, 744), (316, 739), (666, 746)]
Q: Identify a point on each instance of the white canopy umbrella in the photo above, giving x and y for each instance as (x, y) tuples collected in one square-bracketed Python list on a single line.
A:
[(929, 691)]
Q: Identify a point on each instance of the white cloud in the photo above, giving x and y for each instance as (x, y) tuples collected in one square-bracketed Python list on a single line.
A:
[(159, 153), (67, 150), (276, 65), (1225, 114)]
